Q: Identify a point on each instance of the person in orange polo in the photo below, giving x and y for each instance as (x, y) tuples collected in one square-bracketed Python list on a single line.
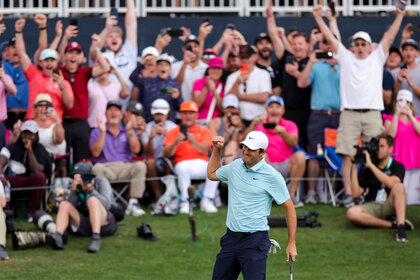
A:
[(189, 145)]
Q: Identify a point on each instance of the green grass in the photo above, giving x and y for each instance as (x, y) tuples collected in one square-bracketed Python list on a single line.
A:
[(337, 250)]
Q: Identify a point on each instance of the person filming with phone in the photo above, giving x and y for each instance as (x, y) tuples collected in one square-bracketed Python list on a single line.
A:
[(283, 136), (189, 145)]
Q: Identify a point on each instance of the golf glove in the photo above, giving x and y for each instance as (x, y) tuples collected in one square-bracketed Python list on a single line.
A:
[(274, 246)]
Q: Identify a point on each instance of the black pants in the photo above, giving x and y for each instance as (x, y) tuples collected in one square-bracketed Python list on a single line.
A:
[(301, 119), (77, 137)]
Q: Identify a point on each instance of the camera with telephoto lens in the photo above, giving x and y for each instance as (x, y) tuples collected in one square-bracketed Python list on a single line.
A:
[(44, 221), (372, 147)]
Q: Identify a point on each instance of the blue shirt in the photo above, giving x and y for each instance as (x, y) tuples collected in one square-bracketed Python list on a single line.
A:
[(20, 99), (251, 192), (150, 90), (325, 86)]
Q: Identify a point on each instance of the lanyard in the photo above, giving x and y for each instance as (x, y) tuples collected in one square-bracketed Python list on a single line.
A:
[(386, 169)]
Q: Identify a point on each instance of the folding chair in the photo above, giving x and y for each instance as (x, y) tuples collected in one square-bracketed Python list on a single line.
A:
[(331, 163)]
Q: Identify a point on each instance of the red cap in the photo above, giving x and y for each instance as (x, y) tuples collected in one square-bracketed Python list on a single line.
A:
[(188, 106), (73, 46)]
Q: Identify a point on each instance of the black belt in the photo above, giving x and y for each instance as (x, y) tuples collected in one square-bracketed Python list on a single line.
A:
[(71, 120), (360, 110), (241, 235), (327, 112)]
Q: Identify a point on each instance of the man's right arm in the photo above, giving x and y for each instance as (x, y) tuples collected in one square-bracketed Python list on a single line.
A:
[(356, 190), (291, 221), (323, 27), (303, 78), (98, 145), (215, 158), (25, 61)]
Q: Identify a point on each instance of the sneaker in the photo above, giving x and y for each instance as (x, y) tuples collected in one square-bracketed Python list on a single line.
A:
[(322, 197), (311, 197), (30, 217), (3, 254), (95, 245), (347, 200), (407, 224), (400, 234), (135, 210), (184, 207), (297, 203), (207, 205), (55, 241)]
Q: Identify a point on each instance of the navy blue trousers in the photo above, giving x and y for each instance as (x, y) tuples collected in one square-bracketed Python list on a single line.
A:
[(246, 252)]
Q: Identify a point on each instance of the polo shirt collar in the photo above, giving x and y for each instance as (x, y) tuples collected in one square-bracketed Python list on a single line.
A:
[(260, 164), (122, 129)]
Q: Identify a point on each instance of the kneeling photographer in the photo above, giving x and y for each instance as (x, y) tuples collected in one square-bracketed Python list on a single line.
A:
[(86, 209), (380, 182)]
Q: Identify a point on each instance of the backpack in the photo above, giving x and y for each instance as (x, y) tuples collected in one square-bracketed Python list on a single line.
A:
[(168, 203)]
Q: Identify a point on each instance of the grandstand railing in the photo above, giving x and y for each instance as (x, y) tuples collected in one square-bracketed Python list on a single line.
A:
[(66, 8)]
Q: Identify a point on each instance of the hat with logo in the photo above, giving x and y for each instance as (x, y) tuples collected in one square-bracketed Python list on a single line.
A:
[(410, 42), (166, 57), (115, 103), (48, 53), (260, 37), (73, 46), (83, 168), (31, 126), (188, 106), (191, 38), (256, 140), (135, 108), (362, 35), (149, 51), (276, 99), (42, 98), (230, 100), (246, 50), (405, 94), (160, 106)]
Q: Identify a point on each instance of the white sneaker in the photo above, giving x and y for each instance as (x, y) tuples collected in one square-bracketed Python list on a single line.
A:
[(135, 210), (207, 205), (184, 207), (311, 197)]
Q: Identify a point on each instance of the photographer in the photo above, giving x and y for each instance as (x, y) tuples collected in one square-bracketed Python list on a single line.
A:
[(380, 184), (86, 209)]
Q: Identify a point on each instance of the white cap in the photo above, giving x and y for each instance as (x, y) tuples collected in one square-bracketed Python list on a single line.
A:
[(230, 100), (362, 35), (405, 94), (31, 126), (160, 106), (166, 57), (256, 140), (149, 51)]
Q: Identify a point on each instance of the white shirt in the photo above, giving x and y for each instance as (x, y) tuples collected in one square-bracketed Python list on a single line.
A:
[(190, 76), (46, 139), (361, 79), (258, 81)]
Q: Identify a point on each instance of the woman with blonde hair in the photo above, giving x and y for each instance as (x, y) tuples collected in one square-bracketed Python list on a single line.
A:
[(405, 128)]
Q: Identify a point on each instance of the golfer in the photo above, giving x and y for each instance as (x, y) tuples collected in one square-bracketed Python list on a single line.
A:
[(253, 184)]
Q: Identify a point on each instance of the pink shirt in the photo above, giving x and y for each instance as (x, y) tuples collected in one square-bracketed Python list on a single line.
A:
[(3, 92), (406, 143), (278, 150), (204, 108), (98, 98)]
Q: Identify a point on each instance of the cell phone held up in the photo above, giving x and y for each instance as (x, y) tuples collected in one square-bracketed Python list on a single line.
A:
[(114, 12), (414, 28), (166, 89), (74, 22), (324, 55), (183, 129), (269, 125), (401, 5), (244, 68)]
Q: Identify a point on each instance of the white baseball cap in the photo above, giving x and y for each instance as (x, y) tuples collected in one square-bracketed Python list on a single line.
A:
[(362, 35), (149, 51), (166, 57), (160, 106), (48, 53), (256, 140), (31, 126), (405, 94), (230, 100)]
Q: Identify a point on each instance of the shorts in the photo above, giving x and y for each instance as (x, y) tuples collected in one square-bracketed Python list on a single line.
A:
[(355, 124), (281, 167), (381, 211), (316, 129), (85, 228)]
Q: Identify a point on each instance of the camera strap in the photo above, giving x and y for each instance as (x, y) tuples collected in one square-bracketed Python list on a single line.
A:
[(386, 169), (381, 195)]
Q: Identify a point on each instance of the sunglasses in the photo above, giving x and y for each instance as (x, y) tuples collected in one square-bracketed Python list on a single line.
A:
[(360, 44), (208, 56)]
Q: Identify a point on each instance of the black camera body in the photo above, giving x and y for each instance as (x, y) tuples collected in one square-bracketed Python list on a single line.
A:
[(372, 147)]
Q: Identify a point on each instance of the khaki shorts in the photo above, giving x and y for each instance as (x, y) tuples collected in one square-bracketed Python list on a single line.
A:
[(282, 167), (381, 211), (355, 124)]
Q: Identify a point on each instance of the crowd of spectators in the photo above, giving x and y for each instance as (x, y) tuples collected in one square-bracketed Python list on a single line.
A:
[(128, 114)]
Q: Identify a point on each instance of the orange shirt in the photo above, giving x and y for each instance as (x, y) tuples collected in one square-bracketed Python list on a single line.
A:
[(39, 83), (185, 150)]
